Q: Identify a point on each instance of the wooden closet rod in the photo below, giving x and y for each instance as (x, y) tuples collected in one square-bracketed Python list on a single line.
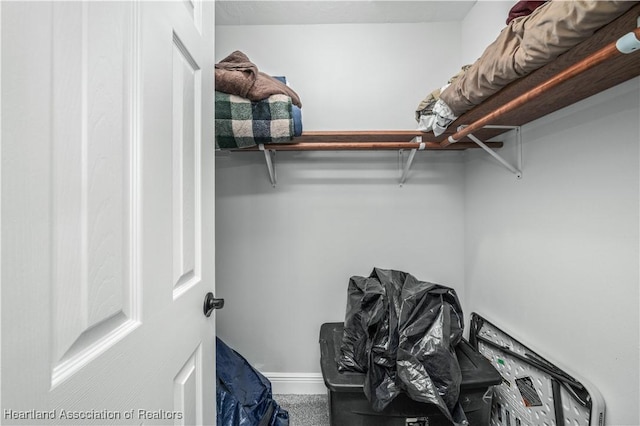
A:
[(361, 140), (366, 146), (608, 52)]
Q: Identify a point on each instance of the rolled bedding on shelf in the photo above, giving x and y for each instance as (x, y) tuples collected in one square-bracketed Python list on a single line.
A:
[(296, 111), (241, 123)]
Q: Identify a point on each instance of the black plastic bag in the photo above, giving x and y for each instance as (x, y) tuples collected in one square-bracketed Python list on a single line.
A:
[(243, 395), (402, 333)]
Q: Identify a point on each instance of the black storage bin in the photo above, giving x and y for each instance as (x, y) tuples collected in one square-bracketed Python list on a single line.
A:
[(348, 406)]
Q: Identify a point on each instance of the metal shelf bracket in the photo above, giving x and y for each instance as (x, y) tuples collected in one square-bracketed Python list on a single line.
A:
[(517, 169), (404, 169), (268, 154)]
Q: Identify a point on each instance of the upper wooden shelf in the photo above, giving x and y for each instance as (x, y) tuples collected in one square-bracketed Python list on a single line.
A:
[(604, 75)]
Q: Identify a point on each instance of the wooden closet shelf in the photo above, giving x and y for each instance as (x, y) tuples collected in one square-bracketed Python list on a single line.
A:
[(572, 82)]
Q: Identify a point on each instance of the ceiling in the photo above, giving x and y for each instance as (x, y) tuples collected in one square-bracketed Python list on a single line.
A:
[(274, 12)]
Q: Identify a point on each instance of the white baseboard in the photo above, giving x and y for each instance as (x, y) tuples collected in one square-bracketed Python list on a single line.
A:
[(296, 383)]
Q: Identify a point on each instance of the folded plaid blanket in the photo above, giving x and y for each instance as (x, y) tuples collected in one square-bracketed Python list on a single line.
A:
[(241, 123)]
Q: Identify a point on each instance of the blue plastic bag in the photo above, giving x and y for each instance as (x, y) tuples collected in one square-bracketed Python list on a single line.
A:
[(244, 395)]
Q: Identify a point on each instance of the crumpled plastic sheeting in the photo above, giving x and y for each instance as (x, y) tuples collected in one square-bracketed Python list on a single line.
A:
[(243, 395), (402, 333)]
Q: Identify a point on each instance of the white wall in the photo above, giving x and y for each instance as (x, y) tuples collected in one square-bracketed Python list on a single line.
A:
[(554, 257), (352, 76), (481, 26), (284, 255)]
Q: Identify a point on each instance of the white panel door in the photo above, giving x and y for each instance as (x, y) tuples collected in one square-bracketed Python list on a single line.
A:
[(107, 212)]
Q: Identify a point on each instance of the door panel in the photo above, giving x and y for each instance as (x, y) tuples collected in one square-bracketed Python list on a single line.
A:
[(187, 390), (187, 87), (94, 194)]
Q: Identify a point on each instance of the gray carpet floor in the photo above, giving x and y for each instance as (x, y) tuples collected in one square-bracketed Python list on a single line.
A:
[(305, 410)]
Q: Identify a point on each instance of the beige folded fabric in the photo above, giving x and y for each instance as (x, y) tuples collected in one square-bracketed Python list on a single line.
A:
[(425, 106), (527, 44)]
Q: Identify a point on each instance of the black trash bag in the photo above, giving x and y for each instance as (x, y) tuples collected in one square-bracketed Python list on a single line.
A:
[(402, 333), (243, 395), (354, 339)]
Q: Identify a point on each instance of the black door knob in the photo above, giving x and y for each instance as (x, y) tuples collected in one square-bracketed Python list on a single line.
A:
[(211, 303)]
